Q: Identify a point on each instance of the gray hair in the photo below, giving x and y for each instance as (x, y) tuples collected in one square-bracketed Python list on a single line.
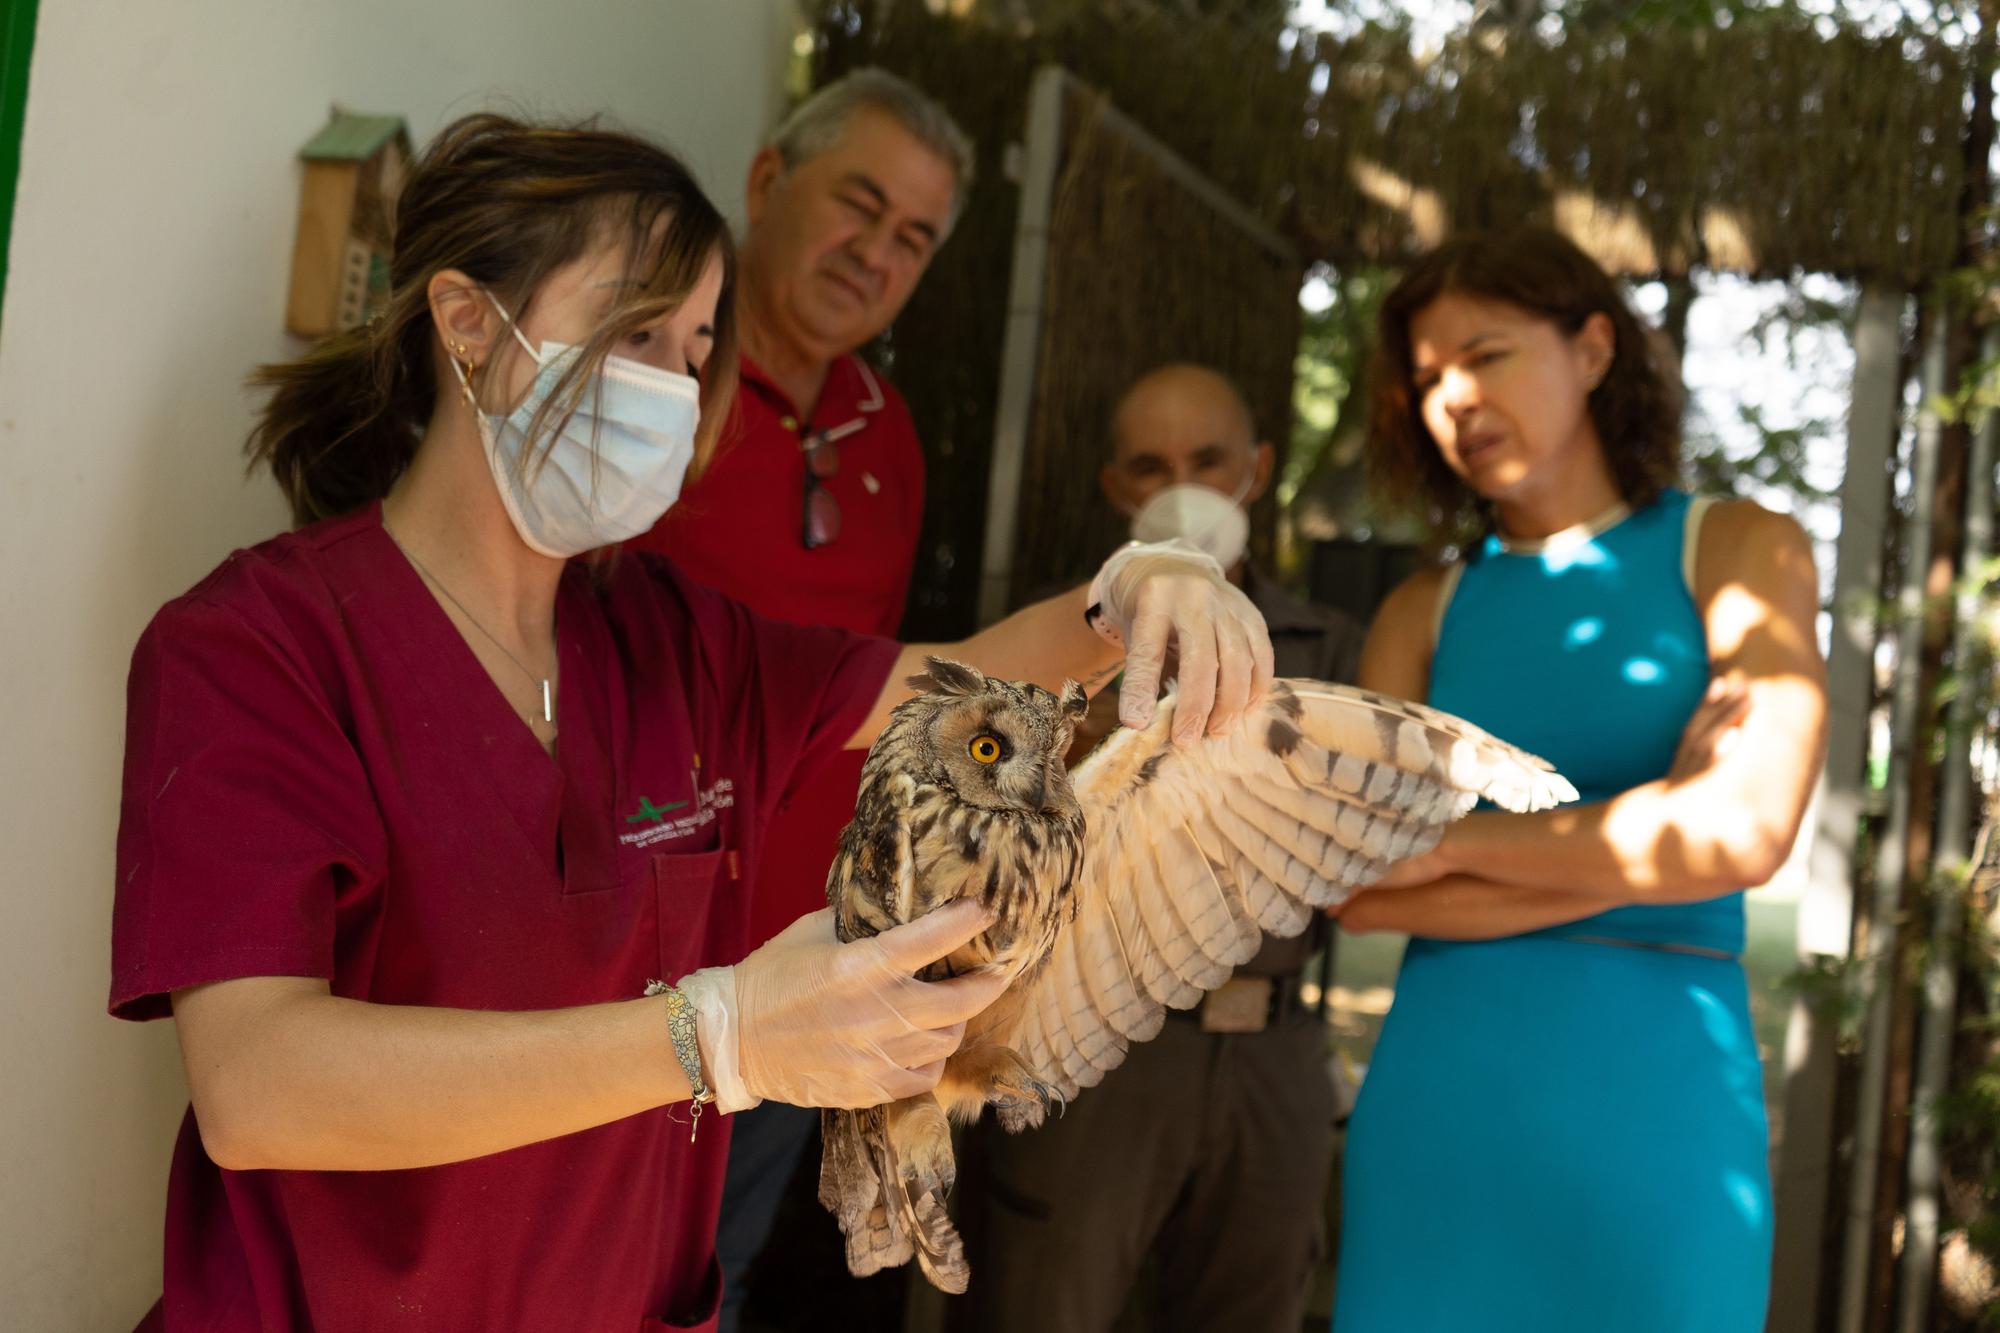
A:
[(817, 123)]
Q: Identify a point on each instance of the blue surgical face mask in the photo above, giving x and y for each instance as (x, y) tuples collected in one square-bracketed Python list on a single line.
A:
[(614, 467)]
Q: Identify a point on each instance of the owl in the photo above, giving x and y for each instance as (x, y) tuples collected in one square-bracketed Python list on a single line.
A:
[(1137, 884), (965, 795)]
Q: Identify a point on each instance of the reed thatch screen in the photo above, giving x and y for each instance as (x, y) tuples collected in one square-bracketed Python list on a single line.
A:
[(1767, 148), (1145, 265)]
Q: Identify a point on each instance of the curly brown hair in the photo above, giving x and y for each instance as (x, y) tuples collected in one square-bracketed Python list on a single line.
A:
[(1636, 407)]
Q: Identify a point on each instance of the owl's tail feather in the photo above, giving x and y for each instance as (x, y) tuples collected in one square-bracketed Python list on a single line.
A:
[(940, 1252), (853, 1166), (886, 1212)]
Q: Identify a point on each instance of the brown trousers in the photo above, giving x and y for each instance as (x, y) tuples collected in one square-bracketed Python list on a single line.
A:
[(1189, 1184)]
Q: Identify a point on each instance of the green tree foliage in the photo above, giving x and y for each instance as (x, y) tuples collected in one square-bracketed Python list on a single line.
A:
[(1779, 456), (1334, 341)]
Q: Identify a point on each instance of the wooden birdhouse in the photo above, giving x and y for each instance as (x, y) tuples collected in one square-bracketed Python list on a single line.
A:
[(340, 263)]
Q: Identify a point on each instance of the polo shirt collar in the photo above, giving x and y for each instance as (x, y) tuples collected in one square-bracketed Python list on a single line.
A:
[(851, 395)]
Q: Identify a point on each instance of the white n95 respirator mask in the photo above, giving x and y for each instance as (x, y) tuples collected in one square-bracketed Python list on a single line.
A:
[(1207, 519)]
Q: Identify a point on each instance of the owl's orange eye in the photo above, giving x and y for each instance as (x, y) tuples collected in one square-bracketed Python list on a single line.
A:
[(986, 749)]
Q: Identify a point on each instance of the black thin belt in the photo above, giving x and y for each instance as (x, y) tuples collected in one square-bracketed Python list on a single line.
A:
[(1695, 950)]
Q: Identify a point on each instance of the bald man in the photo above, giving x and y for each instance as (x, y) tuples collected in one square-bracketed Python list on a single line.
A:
[(1180, 427), (1191, 1183)]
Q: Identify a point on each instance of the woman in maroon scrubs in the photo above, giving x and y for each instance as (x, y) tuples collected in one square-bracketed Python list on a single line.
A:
[(415, 806)]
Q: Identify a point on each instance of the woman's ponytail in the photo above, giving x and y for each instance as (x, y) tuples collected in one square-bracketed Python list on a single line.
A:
[(344, 420)]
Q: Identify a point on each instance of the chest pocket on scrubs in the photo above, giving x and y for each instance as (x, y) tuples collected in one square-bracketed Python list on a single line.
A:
[(686, 887)]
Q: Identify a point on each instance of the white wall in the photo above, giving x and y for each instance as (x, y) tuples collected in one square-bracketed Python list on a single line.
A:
[(151, 245)]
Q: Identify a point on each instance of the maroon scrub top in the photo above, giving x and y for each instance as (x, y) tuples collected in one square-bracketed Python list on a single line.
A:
[(737, 529), (322, 781)]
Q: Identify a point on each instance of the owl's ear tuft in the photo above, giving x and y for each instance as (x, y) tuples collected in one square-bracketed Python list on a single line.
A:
[(1075, 703), (945, 676)]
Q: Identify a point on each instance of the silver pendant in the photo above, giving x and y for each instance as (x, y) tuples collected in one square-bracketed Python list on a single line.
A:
[(548, 706)]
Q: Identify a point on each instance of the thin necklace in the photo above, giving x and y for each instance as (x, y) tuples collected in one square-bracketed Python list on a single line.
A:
[(1574, 535), (548, 698)]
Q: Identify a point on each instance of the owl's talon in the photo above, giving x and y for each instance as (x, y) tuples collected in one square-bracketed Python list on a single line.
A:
[(1021, 1101)]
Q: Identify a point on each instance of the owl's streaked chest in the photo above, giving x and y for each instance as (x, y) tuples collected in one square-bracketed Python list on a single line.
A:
[(935, 848)]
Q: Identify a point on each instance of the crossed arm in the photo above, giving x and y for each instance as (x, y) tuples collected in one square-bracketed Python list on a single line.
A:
[(1722, 819)]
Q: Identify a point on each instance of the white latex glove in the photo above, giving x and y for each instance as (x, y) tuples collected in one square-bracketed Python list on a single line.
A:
[(811, 1021), (1153, 593)]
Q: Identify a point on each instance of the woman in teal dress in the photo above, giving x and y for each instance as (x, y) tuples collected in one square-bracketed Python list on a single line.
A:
[(1562, 1127)]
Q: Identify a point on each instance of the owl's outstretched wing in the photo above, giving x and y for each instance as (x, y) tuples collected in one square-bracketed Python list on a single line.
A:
[(1192, 853)]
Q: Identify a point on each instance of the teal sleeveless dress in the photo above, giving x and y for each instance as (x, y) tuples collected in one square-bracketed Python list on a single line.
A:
[(1565, 1130)]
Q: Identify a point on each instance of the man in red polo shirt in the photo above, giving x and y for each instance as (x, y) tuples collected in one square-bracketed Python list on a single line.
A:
[(810, 511)]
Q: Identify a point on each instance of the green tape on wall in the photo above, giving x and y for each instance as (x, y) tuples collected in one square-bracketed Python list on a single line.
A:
[(17, 42)]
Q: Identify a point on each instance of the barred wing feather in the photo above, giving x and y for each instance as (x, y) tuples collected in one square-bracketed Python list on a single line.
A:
[(1193, 853)]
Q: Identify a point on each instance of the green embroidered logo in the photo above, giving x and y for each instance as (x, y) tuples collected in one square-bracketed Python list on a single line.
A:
[(656, 813)]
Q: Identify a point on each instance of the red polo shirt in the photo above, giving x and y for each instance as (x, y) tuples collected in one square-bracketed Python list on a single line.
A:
[(322, 781), (738, 529)]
